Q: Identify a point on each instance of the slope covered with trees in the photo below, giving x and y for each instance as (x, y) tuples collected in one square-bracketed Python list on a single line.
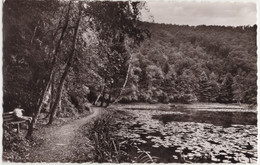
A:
[(203, 63)]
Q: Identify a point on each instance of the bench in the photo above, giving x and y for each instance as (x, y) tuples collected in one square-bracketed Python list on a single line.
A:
[(10, 119)]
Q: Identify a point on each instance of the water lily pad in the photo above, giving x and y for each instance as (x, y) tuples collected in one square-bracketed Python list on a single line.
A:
[(178, 151), (214, 159), (197, 137), (175, 157), (226, 161), (155, 146)]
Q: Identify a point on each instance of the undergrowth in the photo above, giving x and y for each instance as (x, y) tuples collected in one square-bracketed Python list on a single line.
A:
[(15, 146)]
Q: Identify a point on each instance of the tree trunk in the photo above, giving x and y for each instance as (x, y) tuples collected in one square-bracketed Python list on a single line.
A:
[(34, 120), (103, 88), (66, 71), (103, 98), (37, 113), (126, 78), (129, 66), (109, 95), (52, 96), (34, 32), (108, 101)]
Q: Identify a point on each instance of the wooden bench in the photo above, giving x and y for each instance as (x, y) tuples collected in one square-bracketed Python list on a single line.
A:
[(10, 119)]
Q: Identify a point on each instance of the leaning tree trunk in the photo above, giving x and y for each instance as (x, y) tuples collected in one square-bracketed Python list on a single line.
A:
[(57, 49), (103, 88), (66, 71), (126, 78), (34, 32), (129, 66)]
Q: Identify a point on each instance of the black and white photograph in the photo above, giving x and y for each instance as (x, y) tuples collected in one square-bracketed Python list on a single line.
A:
[(90, 81)]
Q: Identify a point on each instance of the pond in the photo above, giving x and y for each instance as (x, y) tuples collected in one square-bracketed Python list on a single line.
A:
[(186, 133)]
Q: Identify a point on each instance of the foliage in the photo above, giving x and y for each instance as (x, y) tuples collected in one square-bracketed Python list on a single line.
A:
[(47, 53), (204, 88), (181, 53), (226, 92), (115, 38), (25, 44), (107, 146)]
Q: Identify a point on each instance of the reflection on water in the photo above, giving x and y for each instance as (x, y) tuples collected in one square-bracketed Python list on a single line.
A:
[(172, 135)]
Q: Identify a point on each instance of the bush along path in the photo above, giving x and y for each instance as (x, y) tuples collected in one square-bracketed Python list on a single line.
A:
[(58, 145)]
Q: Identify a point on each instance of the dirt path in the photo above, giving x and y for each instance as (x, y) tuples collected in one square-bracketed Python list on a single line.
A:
[(58, 145)]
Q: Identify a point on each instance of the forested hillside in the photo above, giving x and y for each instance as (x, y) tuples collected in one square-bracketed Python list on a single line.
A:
[(195, 63), (58, 55)]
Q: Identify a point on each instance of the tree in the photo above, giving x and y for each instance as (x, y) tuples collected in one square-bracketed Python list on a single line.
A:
[(30, 28), (68, 64), (226, 92), (204, 88), (186, 85), (50, 80), (169, 83), (238, 90), (214, 89), (26, 33), (116, 38), (155, 78)]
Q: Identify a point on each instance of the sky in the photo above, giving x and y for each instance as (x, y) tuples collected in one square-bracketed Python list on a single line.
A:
[(199, 13)]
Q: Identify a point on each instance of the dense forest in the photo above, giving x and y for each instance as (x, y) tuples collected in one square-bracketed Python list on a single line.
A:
[(59, 55), (195, 63)]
